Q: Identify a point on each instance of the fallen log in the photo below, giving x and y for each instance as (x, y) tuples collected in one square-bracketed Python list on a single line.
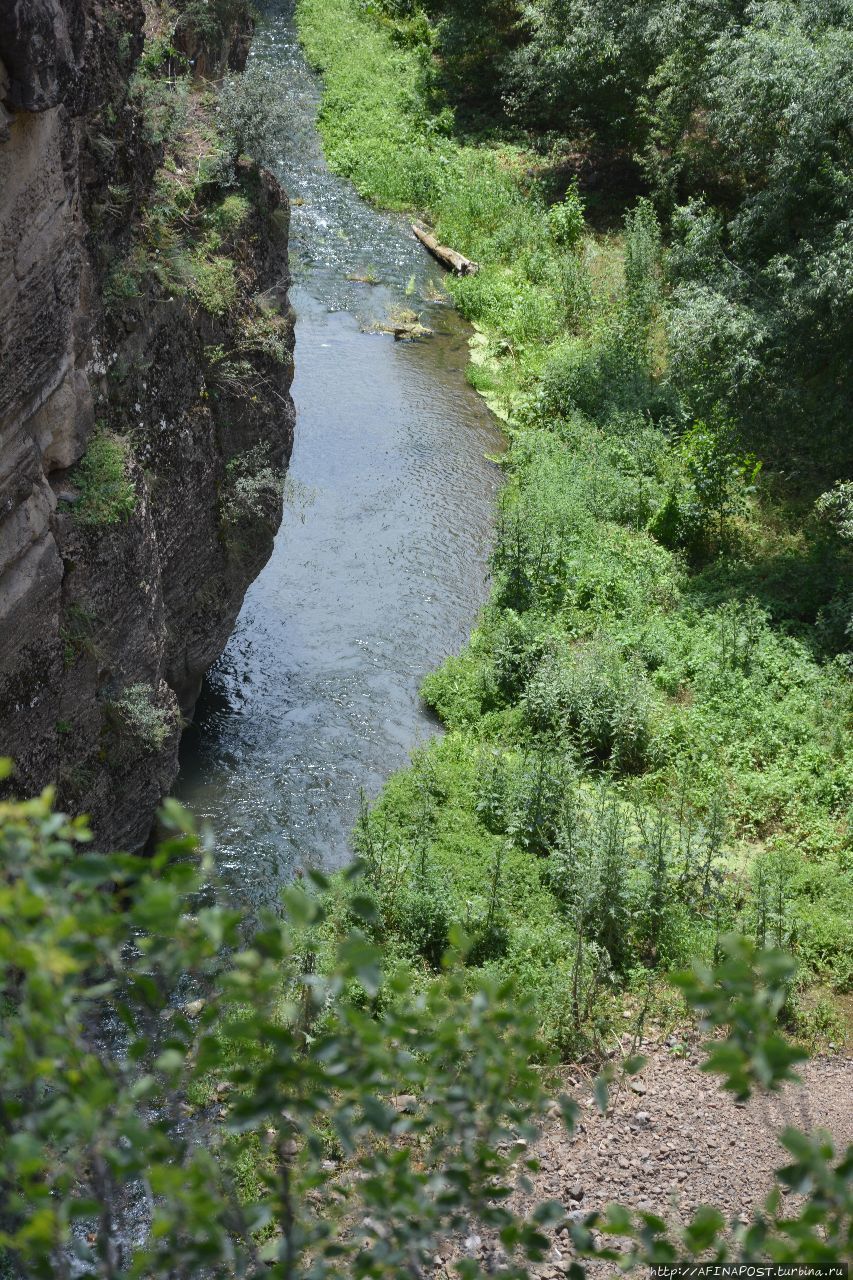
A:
[(447, 257)]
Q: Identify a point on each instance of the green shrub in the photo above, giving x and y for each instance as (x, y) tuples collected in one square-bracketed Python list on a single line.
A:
[(536, 802), (126, 278), (149, 724), (722, 476), (107, 493), (252, 115), (566, 219), (599, 379), (213, 283), (597, 701), (161, 101), (422, 921), (230, 214)]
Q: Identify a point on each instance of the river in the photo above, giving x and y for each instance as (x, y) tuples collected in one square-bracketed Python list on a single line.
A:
[(379, 567)]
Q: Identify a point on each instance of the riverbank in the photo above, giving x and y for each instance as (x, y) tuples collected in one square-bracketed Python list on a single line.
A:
[(649, 733)]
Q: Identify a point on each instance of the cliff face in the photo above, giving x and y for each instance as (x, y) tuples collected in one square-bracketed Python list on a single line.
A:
[(145, 420)]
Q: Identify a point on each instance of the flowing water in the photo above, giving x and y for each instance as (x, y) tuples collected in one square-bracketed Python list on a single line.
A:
[(380, 563)]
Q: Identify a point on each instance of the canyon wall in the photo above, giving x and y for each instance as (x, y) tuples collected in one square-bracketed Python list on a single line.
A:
[(145, 417)]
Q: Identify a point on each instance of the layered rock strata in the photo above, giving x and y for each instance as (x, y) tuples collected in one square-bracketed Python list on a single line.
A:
[(110, 616)]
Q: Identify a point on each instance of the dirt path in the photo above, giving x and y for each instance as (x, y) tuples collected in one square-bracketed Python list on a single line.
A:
[(673, 1140)]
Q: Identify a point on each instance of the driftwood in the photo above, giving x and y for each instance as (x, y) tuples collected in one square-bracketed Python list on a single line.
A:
[(447, 257)]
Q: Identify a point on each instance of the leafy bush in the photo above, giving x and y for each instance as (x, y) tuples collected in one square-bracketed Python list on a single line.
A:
[(422, 919), (253, 488), (251, 113), (213, 283), (566, 219), (107, 495), (289, 1055), (151, 725), (721, 475), (595, 700), (161, 101), (230, 214)]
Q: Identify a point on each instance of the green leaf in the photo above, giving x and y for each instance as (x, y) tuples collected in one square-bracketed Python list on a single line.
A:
[(301, 908), (364, 909), (703, 1230), (634, 1063)]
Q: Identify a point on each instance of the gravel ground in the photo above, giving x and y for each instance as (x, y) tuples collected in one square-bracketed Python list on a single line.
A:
[(671, 1140)]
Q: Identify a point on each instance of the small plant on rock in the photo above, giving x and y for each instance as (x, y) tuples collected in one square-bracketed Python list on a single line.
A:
[(140, 715), (107, 494)]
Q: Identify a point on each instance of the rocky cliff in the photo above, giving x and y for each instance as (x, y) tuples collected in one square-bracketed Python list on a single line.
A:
[(145, 420)]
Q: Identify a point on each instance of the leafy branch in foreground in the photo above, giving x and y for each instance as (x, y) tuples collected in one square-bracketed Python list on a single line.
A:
[(179, 1099)]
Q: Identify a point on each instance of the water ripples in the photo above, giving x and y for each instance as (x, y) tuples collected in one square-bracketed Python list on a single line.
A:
[(379, 567)]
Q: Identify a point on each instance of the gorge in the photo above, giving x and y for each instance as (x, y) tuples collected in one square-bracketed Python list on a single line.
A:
[(482, 642)]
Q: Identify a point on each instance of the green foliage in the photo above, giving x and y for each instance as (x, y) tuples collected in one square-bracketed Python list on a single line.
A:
[(140, 716), (186, 241), (230, 214), (107, 493), (595, 699), (174, 1085), (237, 369), (213, 283), (250, 498), (126, 278), (835, 507), (160, 100), (754, 1054), (721, 475), (603, 659), (213, 21), (566, 219), (755, 180), (759, 317), (123, 1023), (156, 53), (251, 114)]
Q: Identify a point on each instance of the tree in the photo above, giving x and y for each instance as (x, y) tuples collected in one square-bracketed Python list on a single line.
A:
[(721, 474), (763, 266)]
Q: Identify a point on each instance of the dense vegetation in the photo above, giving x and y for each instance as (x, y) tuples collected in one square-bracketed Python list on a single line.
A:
[(649, 752), (650, 731), (738, 116), (183, 1097)]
